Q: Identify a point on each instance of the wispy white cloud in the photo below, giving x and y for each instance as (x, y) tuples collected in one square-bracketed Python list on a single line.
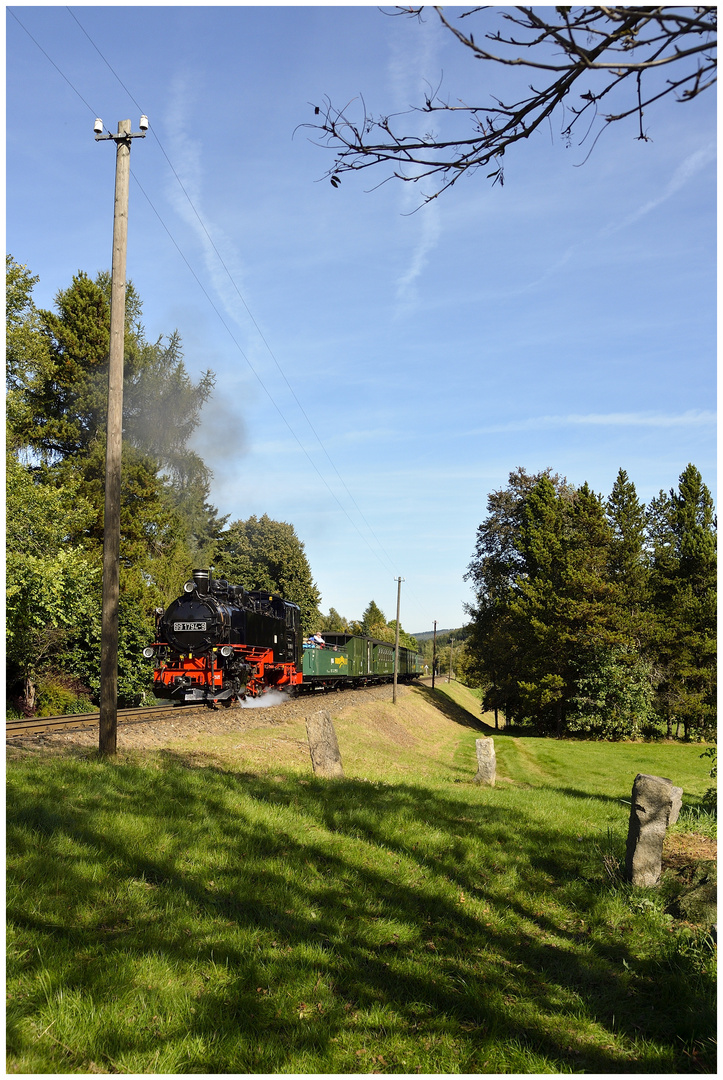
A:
[(427, 239), (682, 175), (684, 172), (186, 153), (414, 59), (690, 418)]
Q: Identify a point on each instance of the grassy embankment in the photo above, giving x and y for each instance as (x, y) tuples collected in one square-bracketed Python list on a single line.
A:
[(216, 908)]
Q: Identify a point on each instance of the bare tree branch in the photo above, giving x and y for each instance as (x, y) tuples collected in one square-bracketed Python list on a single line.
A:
[(589, 55)]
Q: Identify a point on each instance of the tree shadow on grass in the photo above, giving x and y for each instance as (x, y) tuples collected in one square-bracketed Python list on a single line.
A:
[(337, 914), (457, 713), (460, 715)]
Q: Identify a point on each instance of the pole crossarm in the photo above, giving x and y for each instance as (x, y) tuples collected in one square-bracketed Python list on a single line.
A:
[(121, 136)]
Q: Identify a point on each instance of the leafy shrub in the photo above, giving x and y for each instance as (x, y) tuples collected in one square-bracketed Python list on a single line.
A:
[(614, 695), (59, 695)]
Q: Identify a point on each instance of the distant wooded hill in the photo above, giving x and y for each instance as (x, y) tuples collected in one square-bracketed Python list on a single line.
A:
[(429, 634)]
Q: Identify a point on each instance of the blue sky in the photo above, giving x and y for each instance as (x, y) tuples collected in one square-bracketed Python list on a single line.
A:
[(567, 319)]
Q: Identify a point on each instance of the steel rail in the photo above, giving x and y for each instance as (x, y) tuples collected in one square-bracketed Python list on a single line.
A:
[(39, 725)]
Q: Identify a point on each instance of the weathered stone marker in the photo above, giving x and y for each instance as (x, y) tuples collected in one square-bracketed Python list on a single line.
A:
[(655, 804), (323, 747), (486, 762)]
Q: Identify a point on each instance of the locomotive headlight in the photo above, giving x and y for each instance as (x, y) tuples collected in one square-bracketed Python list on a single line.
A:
[(226, 650), (148, 652), (189, 586)]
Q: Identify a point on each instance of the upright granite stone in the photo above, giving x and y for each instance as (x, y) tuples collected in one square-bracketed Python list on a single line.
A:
[(655, 803), (486, 762), (323, 746)]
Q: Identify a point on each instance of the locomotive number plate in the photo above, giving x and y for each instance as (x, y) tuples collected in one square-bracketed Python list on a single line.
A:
[(186, 626)]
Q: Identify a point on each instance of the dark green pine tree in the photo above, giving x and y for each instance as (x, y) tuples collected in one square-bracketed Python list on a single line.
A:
[(682, 539), (694, 527), (628, 565), (591, 597), (495, 646), (609, 691), (541, 653), (663, 565), (695, 600), (565, 612), (68, 399), (26, 354), (373, 619)]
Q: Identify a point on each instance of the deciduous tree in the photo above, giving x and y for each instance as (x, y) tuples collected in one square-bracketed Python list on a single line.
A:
[(260, 553), (57, 370), (334, 623), (584, 68), (52, 577)]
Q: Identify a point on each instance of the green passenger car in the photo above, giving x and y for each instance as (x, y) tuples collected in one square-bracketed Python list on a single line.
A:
[(383, 658), (372, 660), (325, 663)]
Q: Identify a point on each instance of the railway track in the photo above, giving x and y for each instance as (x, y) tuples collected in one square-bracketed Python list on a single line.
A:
[(43, 725), (28, 728)]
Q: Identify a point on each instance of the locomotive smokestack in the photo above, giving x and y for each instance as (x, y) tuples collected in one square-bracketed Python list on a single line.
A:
[(202, 581)]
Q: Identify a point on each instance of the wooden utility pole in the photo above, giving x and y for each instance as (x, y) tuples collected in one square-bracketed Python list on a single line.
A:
[(111, 522), (399, 581), (434, 652)]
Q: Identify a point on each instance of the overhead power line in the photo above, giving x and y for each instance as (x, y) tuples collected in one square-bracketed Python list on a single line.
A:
[(240, 296), (380, 549)]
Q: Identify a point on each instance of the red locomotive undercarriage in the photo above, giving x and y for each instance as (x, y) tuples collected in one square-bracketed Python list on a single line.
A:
[(208, 673)]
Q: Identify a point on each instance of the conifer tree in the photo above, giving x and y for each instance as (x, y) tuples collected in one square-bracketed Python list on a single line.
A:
[(493, 571), (373, 621), (26, 354), (610, 687), (682, 530), (536, 608), (628, 566)]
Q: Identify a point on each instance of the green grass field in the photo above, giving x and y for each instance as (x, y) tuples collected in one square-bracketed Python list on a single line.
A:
[(217, 908)]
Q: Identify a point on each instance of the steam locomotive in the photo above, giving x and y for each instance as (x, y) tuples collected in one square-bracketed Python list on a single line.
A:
[(218, 643)]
